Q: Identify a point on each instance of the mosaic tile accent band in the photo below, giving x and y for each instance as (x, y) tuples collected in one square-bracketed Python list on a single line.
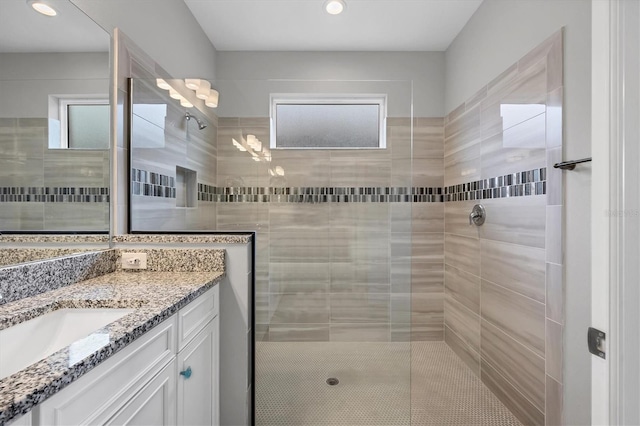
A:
[(151, 184), (45, 194), (206, 192), (526, 183), (530, 182)]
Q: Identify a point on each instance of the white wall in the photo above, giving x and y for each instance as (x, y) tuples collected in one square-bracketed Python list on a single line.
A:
[(498, 34), (27, 79), (426, 69), (165, 29)]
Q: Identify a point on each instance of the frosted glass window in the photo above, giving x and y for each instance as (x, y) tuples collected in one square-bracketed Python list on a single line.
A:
[(88, 126), (328, 123)]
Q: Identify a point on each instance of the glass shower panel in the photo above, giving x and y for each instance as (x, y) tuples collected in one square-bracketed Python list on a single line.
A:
[(333, 260)]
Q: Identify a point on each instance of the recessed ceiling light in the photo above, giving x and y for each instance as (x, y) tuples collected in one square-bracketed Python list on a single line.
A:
[(334, 7), (42, 7)]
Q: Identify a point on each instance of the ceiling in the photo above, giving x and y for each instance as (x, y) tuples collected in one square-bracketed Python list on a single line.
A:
[(24, 30), (303, 25)]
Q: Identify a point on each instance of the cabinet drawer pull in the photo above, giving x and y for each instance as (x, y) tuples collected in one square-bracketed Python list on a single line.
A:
[(186, 373)]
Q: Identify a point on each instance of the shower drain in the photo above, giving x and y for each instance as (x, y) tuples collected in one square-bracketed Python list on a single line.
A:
[(332, 381)]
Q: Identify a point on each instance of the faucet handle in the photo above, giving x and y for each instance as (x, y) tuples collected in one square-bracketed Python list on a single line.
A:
[(477, 215)]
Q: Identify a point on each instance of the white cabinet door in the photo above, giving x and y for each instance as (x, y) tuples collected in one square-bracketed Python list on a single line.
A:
[(154, 405), (198, 379)]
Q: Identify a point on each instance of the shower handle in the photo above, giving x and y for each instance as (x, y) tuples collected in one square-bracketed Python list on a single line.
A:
[(477, 215)]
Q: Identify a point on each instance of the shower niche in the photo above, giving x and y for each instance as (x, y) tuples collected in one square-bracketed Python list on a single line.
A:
[(186, 187)]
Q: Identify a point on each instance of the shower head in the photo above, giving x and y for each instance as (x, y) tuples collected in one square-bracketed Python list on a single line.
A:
[(201, 124)]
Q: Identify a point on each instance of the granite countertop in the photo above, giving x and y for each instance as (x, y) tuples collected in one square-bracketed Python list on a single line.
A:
[(239, 238), (155, 296)]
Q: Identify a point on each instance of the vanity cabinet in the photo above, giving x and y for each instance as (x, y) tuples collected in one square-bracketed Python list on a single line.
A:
[(168, 376)]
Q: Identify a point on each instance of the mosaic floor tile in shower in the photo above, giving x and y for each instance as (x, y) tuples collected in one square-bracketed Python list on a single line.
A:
[(375, 386)]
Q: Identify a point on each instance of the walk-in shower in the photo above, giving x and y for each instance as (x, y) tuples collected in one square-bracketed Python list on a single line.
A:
[(381, 297)]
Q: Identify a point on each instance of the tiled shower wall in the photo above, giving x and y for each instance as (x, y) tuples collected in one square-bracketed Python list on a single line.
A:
[(503, 280), (44, 189), (342, 266)]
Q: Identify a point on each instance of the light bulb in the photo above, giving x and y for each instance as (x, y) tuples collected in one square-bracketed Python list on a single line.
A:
[(203, 90), (161, 83), (185, 103), (42, 7), (212, 100), (192, 83), (334, 7), (174, 94)]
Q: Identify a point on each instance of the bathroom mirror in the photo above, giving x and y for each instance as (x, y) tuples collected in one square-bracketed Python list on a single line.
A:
[(54, 121)]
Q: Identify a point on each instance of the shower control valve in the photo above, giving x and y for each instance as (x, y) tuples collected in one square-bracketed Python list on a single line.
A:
[(477, 215)]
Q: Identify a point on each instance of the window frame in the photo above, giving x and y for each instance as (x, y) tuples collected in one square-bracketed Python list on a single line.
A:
[(276, 99), (63, 110)]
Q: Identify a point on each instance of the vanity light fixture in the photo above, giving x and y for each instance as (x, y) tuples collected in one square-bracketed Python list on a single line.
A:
[(203, 91), (42, 7), (212, 99), (161, 83), (334, 7)]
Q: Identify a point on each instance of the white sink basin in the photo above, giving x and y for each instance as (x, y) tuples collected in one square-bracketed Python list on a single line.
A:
[(31, 341)]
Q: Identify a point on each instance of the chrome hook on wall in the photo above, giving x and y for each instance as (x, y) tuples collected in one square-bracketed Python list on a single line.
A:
[(477, 215)]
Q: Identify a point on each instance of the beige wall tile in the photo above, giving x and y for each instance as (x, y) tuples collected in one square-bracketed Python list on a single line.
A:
[(515, 220), (517, 364), (76, 216), (427, 277), (360, 332), (554, 403), (401, 308), (463, 165), (300, 246), (427, 247), (554, 350), (463, 350), (22, 216), (555, 194), (520, 317), (299, 308), (299, 277), (554, 118), (427, 172), (360, 308), (462, 253), (401, 276), (555, 293), (427, 217), (427, 308), (516, 149), (457, 218), (518, 268), (463, 287), (298, 332), (522, 408), (356, 277), (462, 132), (463, 322), (427, 332), (554, 235)]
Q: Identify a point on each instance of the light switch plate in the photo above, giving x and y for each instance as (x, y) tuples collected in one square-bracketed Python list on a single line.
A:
[(134, 260)]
